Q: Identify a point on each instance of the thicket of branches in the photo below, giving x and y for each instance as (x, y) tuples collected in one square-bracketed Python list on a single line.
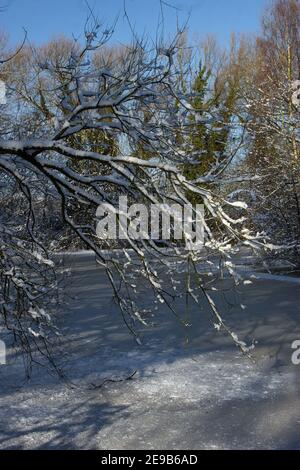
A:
[(158, 123)]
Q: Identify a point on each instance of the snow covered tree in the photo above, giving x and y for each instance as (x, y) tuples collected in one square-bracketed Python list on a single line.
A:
[(58, 153), (274, 122), (216, 132)]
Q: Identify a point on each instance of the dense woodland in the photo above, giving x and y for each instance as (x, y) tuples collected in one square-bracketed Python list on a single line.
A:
[(247, 123)]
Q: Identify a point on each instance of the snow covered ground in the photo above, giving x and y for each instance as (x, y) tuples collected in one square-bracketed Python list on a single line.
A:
[(192, 389)]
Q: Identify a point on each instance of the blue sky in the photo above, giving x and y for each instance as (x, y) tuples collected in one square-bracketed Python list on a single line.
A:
[(43, 19)]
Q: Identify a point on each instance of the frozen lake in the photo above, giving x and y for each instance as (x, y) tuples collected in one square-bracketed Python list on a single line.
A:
[(192, 388)]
